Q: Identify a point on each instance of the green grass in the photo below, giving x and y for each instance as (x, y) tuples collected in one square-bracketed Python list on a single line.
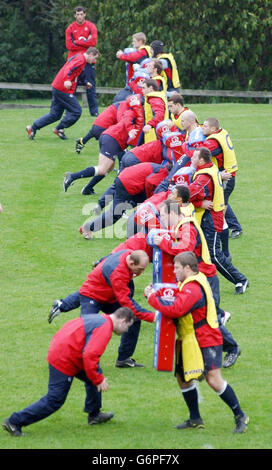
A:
[(43, 257)]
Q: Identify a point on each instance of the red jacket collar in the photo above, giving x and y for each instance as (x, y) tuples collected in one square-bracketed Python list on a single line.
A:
[(206, 165)]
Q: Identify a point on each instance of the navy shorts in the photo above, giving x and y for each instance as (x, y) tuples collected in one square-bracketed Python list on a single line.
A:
[(109, 146), (212, 358)]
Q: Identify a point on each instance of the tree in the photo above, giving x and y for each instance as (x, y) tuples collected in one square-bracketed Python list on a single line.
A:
[(222, 44)]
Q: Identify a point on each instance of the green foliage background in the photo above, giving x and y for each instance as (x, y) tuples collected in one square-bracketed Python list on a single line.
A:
[(219, 44)]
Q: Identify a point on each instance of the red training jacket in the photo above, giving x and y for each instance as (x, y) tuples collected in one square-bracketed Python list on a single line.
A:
[(216, 151), (158, 108), (120, 130), (70, 71), (136, 242), (76, 37), (133, 58), (79, 344), (188, 239), (107, 118), (109, 282), (152, 181), (191, 299), (149, 152), (134, 177), (202, 188)]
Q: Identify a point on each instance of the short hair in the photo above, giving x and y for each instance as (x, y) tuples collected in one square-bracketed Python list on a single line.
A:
[(125, 312), (158, 47), (92, 50), (213, 122), (187, 258), (176, 99), (140, 37), (183, 192), (80, 8), (204, 153), (150, 82), (158, 65), (171, 206), (138, 255)]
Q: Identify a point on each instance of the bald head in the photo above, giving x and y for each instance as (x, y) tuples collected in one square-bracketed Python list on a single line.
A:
[(189, 116), (188, 120), (137, 261)]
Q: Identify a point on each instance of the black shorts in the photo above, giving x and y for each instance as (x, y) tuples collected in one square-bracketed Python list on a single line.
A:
[(109, 146), (212, 358)]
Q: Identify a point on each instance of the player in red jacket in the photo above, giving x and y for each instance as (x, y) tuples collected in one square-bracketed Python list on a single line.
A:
[(147, 215), (113, 141), (193, 300), (110, 116), (133, 58), (166, 148), (75, 351), (188, 238), (211, 127), (156, 103), (132, 186), (80, 35), (149, 69), (109, 286), (212, 221), (63, 95)]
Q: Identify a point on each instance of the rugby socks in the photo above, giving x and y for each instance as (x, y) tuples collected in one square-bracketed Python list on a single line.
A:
[(90, 171), (93, 182), (88, 136), (191, 399), (227, 394)]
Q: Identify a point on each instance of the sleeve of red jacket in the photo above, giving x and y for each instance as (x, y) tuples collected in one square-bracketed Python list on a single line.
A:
[(212, 145), (119, 284), (184, 302), (128, 119), (186, 242), (137, 124), (197, 189), (133, 56), (73, 66), (93, 351), (69, 40), (158, 108), (89, 42), (215, 149)]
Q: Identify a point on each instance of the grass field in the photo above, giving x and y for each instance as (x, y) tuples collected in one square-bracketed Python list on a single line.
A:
[(43, 257)]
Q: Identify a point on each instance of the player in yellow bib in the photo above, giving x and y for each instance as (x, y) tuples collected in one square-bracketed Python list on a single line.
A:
[(219, 143), (170, 70), (199, 343)]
